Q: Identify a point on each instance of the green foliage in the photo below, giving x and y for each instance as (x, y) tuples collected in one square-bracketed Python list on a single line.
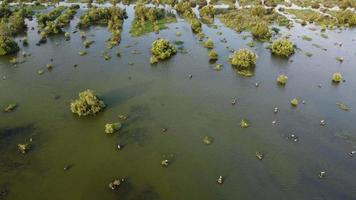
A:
[(148, 19), (261, 31), (207, 140), (112, 127), (196, 25), (213, 55), (282, 47), (10, 107), (87, 104), (184, 9), (113, 17), (243, 59), (162, 49), (23, 148), (294, 102), (282, 79), (207, 12), (208, 44), (337, 77), (7, 45), (244, 123)]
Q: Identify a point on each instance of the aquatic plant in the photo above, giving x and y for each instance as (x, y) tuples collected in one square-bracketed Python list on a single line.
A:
[(207, 140), (337, 77), (282, 79), (23, 148), (112, 127), (82, 53), (208, 44), (282, 47), (294, 102), (213, 55), (10, 107), (260, 30), (342, 106), (244, 123), (162, 49), (7, 45), (243, 59), (87, 104)]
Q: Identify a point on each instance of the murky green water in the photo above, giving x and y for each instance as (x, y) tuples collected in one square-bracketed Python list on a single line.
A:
[(162, 96)]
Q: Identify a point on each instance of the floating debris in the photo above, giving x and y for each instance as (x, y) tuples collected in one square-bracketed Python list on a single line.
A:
[(115, 184), (10, 107), (275, 110), (340, 59), (322, 122), (165, 163), (164, 130), (293, 137), (233, 101), (352, 153), (342, 106), (119, 147), (207, 140), (257, 84), (123, 117), (82, 53), (322, 174), (217, 67), (220, 180), (259, 155), (274, 122), (49, 66), (24, 148), (190, 76)]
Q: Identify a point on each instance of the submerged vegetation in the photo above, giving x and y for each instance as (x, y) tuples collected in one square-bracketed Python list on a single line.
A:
[(87, 104), (162, 49)]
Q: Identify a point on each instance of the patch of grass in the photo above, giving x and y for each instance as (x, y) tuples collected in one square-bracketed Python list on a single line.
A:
[(139, 29)]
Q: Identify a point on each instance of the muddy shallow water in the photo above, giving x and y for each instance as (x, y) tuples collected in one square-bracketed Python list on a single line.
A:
[(163, 96)]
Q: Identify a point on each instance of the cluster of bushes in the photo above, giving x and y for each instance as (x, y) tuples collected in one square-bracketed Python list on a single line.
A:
[(12, 20), (162, 49), (87, 104), (112, 17), (148, 19), (255, 19), (184, 9), (55, 26), (244, 61), (207, 13), (282, 47), (7, 45)]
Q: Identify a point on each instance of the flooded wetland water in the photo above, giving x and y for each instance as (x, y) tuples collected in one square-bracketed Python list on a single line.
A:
[(307, 150)]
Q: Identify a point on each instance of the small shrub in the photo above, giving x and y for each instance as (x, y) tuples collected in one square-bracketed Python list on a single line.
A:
[(162, 49), (261, 31), (213, 55), (337, 77), (243, 59), (87, 104), (282, 79), (244, 123), (209, 44), (282, 47), (294, 102), (112, 127)]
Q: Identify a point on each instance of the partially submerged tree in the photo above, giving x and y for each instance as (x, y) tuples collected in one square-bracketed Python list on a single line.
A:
[(208, 44), (87, 104), (162, 49), (243, 59), (8, 45), (112, 127), (282, 47), (213, 56), (260, 30)]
